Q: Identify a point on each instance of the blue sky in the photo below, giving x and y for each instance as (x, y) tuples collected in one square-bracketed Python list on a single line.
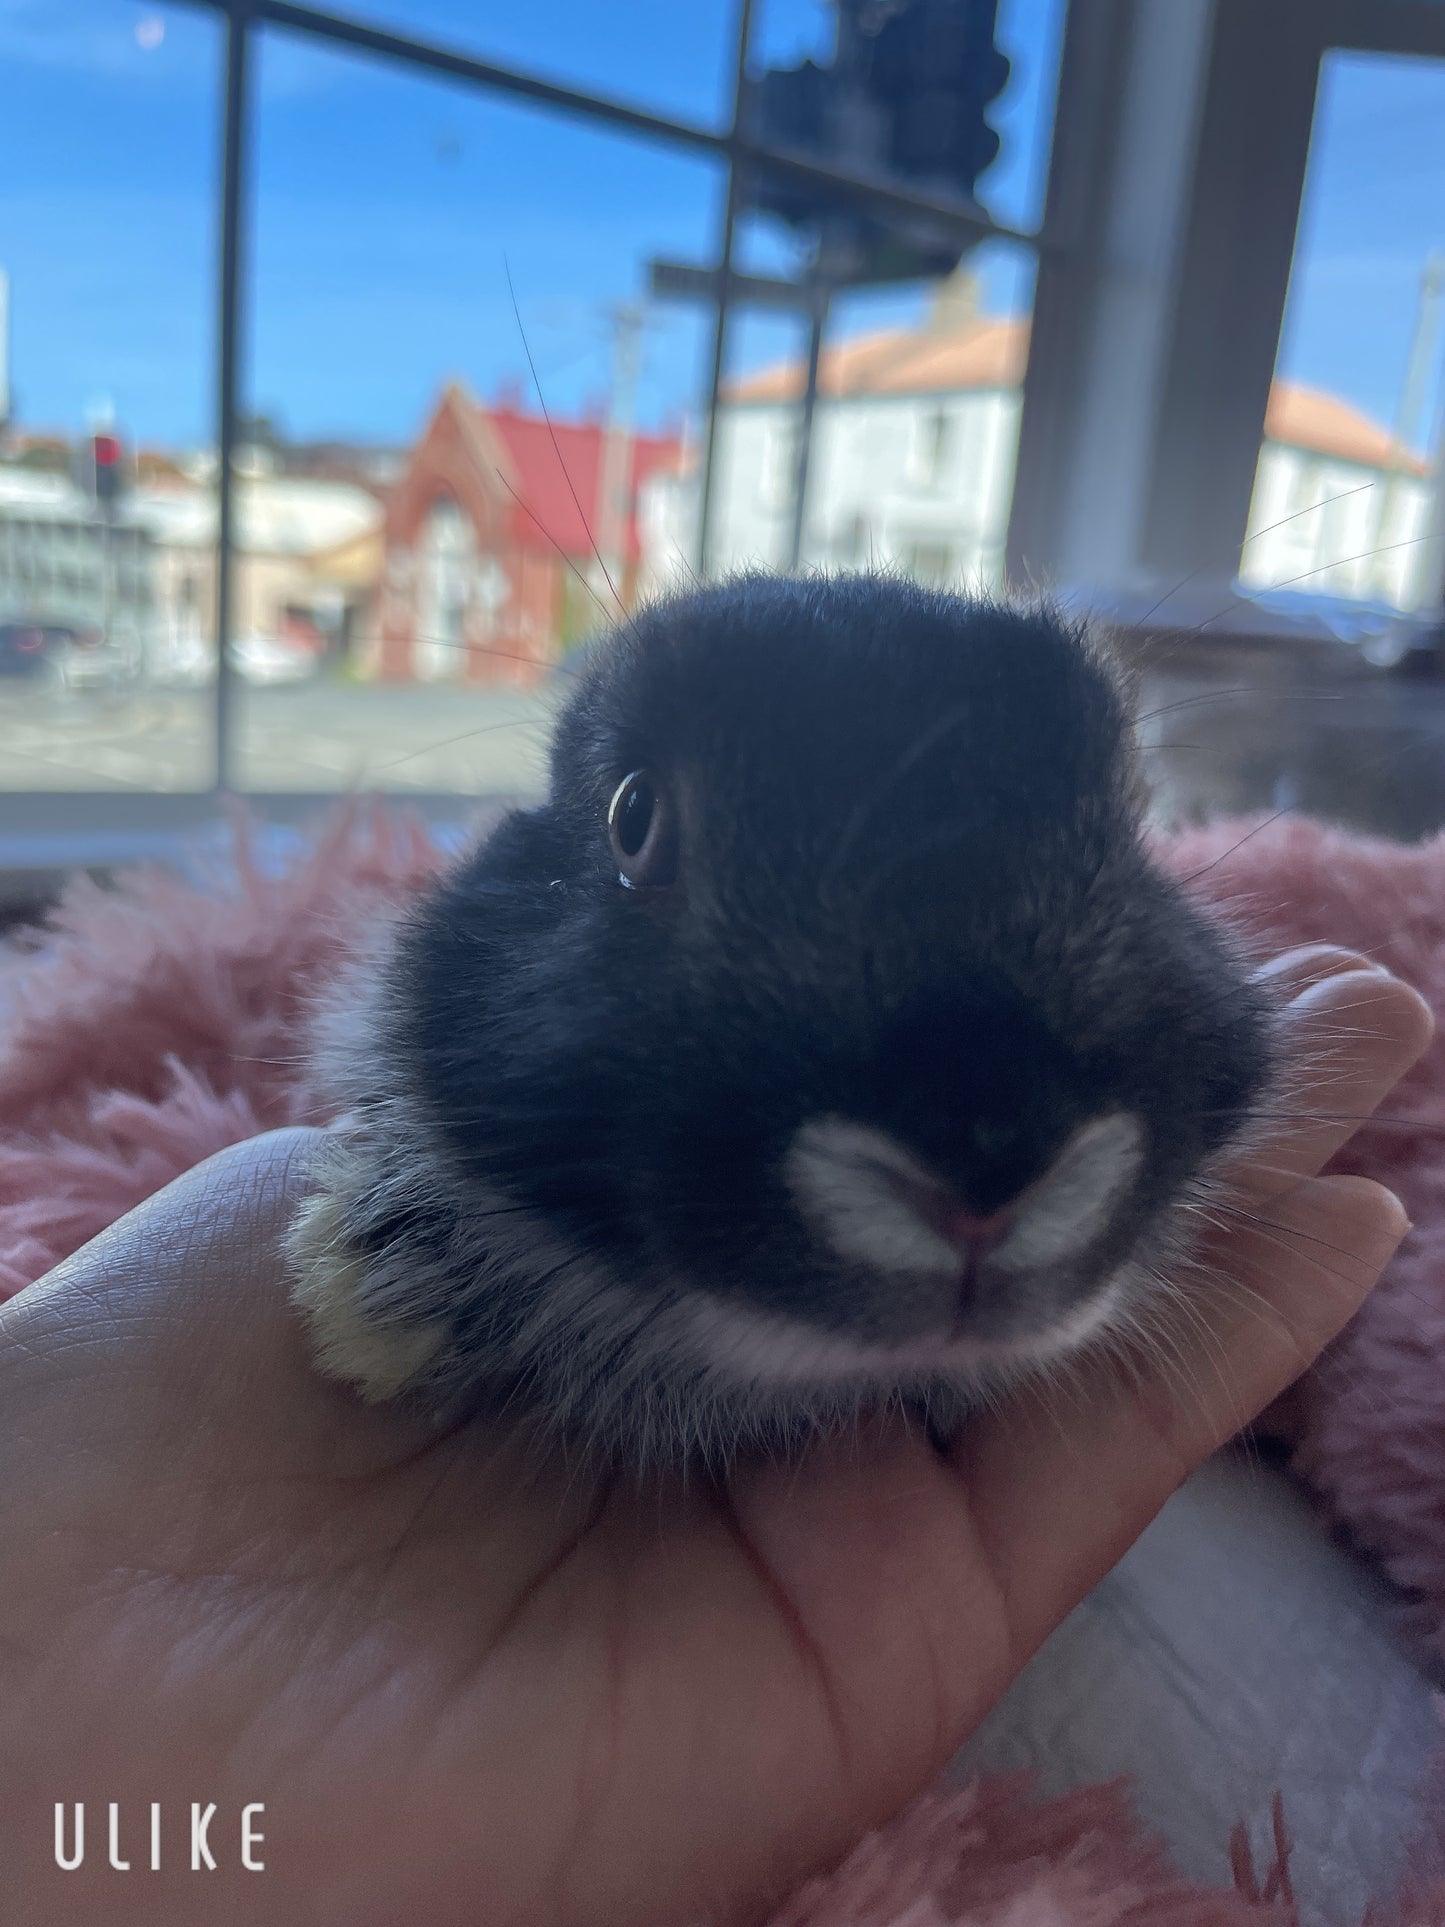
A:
[(388, 207)]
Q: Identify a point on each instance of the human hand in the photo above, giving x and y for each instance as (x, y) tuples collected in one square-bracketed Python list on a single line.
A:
[(471, 1692)]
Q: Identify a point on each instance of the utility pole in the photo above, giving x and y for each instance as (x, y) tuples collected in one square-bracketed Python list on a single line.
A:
[(1432, 571), (613, 489), (1405, 434), (106, 457), (4, 350), (820, 301)]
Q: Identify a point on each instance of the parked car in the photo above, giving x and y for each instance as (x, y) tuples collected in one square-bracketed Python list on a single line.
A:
[(190, 663), (27, 650), (92, 661), (61, 655), (271, 659)]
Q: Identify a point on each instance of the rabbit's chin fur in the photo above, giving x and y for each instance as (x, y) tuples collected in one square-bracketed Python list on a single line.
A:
[(417, 1284)]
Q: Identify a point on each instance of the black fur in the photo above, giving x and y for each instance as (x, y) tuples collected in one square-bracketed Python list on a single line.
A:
[(912, 892)]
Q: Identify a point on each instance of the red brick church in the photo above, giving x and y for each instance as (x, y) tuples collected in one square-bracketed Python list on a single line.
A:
[(490, 572)]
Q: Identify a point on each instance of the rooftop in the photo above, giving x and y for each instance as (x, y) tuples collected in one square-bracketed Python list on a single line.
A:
[(276, 515), (556, 470), (949, 354)]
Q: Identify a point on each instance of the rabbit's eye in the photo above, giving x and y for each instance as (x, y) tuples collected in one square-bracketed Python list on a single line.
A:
[(644, 841)]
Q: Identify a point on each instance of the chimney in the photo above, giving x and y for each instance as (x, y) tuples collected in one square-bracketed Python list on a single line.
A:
[(957, 304)]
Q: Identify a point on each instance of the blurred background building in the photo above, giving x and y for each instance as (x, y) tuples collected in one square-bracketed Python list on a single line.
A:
[(499, 551), (914, 437)]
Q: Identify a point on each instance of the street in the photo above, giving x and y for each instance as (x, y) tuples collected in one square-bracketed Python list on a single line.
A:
[(1229, 727), (320, 736)]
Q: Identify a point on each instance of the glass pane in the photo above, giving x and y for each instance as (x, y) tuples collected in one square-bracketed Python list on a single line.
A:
[(107, 148), (915, 428), (910, 461), (1343, 559), (1343, 518), (1244, 727), (417, 541), (1029, 33)]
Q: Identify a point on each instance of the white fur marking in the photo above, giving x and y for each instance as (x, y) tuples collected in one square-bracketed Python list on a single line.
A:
[(744, 1347), (844, 1176), (1073, 1201)]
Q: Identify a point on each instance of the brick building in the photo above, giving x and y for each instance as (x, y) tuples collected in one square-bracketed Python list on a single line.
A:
[(490, 573)]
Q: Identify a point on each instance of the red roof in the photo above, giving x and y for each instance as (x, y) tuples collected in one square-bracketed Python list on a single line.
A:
[(560, 482)]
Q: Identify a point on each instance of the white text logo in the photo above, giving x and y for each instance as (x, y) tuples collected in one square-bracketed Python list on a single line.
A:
[(126, 1838)]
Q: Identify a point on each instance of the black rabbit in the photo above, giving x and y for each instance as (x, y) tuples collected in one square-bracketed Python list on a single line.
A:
[(826, 1038)]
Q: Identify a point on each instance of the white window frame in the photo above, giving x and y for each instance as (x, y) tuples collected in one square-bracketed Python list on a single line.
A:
[(1180, 147)]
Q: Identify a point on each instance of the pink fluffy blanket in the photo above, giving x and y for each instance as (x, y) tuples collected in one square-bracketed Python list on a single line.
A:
[(149, 1025)]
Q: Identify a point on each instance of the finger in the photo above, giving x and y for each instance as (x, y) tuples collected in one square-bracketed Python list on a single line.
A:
[(1281, 1280), (176, 1321), (1345, 1040), (183, 1251), (922, 1587), (1061, 1489)]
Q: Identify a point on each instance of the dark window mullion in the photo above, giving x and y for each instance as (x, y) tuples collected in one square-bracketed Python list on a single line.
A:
[(234, 156)]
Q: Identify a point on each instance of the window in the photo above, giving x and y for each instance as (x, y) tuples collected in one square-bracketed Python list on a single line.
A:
[(1109, 395), (674, 59), (461, 459), (1184, 170), (1357, 407), (900, 366), (778, 436), (445, 562), (110, 282), (399, 546)]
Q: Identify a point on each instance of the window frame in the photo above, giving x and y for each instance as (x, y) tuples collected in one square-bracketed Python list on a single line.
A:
[(1181, 124)]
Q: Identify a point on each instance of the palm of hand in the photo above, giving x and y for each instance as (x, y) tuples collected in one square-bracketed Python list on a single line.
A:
[(470, 1689)]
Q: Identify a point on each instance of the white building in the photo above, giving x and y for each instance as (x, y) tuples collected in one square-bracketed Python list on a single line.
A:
[(914, 437), (307, 552), (307, 555), (60, 564), (1338, 508)]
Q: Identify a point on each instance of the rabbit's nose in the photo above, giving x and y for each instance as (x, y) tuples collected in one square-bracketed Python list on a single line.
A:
[(974, 1235)]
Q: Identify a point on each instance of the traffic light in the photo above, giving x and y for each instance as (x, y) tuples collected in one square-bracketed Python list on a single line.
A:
[(935, 67), (105, 455), (905, 97)]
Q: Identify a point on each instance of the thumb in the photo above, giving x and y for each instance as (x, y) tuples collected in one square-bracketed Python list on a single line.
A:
[(172, 1333)]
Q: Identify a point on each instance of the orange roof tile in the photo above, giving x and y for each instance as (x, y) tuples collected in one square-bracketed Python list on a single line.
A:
[(992, 353), (902, 361), (1326, 425)]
